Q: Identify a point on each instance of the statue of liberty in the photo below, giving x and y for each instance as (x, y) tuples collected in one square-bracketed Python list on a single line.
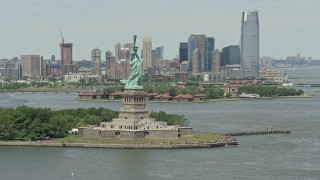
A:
[(135, 79)]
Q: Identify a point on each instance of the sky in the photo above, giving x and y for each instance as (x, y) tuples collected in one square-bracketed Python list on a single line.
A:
[(287, 27)]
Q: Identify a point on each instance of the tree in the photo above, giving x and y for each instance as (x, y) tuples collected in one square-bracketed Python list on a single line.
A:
[(171, 119), (193, 78), (7, 130), (109, 90), (228, 95), (172, 92), (150, 90), (193, 90), (184, 91)]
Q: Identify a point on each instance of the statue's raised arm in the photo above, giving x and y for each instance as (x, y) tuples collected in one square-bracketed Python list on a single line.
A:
[(134, 40)]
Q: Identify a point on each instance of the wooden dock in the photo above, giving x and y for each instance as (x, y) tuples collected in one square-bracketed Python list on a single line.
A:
[(260, 132)]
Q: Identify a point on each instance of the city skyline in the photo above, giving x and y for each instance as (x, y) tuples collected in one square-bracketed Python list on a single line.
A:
[(33, 26)]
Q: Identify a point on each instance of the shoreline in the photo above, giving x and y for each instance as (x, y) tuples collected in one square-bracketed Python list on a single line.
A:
[(153, 101), (121, 146)]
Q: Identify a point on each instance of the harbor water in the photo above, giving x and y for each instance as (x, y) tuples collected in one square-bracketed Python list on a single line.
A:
[(277, 156)]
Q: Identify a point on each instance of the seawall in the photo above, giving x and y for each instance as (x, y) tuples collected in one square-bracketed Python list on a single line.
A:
[(122, 146)]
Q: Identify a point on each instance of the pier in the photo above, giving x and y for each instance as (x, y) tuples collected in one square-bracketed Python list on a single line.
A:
[(260, 132)]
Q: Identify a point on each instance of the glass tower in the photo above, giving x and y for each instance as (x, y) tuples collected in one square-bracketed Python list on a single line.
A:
[(249, 51), (208, 53), (183, 51)]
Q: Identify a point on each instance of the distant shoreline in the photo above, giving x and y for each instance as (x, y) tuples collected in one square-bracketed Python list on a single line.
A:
[(121, 146), (204, 101)]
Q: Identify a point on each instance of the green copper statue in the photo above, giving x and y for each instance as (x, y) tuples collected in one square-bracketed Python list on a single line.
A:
[(135, 79)]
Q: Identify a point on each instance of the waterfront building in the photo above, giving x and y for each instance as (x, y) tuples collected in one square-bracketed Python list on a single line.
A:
[(72, 77), (13, 73), (196, 42), (96, 62), (66, 55), (31, 66), (208, 53), (269, 75), (249, 48), (147, 52), (183, 52)]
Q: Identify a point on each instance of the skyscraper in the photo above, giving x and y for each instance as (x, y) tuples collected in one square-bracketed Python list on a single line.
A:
[(147, 52), (208, 53), (196, 42), (196, 64), (249, 48), (66, 56), (216, 62), (156, 55), (183, 51), (108, 59), (117, 51), (31, 66), (159, 52), (96, 62)]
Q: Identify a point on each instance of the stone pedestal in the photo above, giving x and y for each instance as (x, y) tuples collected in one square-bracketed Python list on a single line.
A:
[(133, 114), (133, 109)]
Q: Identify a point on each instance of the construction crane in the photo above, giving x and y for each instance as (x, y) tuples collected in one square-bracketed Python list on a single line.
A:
[(62, 36)]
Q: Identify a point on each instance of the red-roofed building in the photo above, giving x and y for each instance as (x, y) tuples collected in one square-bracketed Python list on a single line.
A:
[(87, 95), (102, 95), (199, 97), (115, 95), (150, 96), (163, 97), (183, 97)]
